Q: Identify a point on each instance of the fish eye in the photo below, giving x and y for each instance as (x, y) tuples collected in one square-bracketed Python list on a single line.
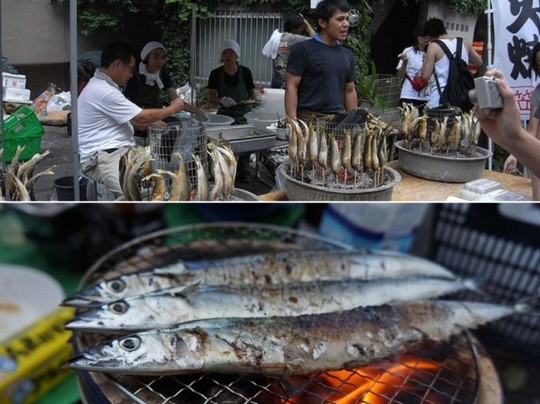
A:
[(119, 307), (130, 343), (116, 285)]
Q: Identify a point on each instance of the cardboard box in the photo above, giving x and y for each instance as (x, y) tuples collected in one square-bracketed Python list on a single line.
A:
[(11, 80), (15, 94), (32, 361)]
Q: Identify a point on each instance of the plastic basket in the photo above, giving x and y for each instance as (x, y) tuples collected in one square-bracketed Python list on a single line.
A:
[(485, 243), (185, 136), (22, 128)]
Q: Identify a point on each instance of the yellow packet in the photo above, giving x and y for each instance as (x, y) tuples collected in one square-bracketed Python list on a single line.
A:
[(32, 361)]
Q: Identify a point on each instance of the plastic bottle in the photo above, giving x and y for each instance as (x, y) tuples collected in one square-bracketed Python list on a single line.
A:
[(378, 226)]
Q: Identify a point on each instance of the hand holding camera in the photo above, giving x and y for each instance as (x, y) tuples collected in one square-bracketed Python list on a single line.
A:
[(486, 93)]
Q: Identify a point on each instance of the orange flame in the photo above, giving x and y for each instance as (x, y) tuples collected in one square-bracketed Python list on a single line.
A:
[(374, 384)]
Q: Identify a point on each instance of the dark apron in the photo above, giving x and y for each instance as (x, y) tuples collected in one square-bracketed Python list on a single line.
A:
[(237, 93)]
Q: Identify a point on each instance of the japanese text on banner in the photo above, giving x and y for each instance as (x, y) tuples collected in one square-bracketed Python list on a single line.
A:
[(516, 26)]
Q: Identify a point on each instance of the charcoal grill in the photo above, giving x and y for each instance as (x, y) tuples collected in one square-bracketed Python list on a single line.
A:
[(454, 372)]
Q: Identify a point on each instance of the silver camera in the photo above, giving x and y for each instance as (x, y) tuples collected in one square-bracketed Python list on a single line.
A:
[(486, 93)]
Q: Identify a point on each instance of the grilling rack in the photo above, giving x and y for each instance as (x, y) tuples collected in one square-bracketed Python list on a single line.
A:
[(185, 136), (457, 363)]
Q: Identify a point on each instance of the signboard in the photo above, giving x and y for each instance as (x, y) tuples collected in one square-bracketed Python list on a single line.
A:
[(516, 25), (314, 3), (456, 24)]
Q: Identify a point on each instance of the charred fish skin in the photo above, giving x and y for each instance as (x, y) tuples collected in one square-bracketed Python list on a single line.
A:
[(263, 269), (176, 305), (283, 346)]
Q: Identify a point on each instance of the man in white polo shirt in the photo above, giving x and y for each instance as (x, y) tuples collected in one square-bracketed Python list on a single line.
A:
[(107, 117)]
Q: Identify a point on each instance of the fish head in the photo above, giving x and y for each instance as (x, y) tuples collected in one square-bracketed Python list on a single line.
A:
[(151, 353), (107, 291), (112, 317)]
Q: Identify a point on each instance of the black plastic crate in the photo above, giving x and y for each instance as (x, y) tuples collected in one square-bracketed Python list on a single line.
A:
[(499, 246)]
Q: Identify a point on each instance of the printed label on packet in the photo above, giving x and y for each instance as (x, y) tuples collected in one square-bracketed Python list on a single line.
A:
[(30, 358)]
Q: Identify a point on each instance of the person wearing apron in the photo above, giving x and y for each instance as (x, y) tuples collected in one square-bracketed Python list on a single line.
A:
[(231, 86)]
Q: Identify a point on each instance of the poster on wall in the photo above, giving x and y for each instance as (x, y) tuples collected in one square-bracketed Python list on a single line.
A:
[(516, 25), (456, 24)]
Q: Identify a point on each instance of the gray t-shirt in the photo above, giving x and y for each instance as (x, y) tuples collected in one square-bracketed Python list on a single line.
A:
[(286, 42), (535, 98)]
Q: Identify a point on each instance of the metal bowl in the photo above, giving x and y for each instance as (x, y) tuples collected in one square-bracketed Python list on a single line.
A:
[(261, 119), (302, 191), (218, 120), (441, 168)]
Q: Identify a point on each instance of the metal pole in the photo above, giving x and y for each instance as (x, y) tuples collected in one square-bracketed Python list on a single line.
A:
[(2, 134), (489, 12), (192, 45), (74, 95)]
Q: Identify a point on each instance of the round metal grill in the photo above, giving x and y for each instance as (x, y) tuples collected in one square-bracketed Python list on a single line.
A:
[(431, 373)]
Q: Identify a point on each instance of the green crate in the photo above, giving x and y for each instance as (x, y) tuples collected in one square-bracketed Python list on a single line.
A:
[(22, 128)]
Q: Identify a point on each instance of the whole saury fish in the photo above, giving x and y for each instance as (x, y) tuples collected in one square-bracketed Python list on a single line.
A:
[(171, 306), (282, 346), (262, 269)]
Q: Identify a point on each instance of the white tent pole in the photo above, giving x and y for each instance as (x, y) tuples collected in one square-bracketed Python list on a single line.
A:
[(489, 12), (3, 137), (74, 95)]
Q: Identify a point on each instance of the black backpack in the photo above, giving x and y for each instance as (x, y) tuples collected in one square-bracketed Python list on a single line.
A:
[(460, 79)]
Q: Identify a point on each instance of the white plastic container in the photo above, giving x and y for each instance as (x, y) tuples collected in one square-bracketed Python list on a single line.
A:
[(16, 94), (273, 100), (379, 226), (11, 80)]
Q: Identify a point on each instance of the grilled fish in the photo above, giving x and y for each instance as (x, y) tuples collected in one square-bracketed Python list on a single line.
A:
[(282, 346), (176, 305), (262, 269)]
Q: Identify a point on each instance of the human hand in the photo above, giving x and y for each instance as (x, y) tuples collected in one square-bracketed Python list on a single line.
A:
[(227, 102), (177, 105), (510, 165)]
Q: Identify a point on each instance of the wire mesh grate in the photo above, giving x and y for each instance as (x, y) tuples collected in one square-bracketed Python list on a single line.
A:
[(388, 89), (185, 137), (431, 373)]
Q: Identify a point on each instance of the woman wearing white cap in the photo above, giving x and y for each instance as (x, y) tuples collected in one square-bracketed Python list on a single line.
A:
[(230, 86), (146, 86)]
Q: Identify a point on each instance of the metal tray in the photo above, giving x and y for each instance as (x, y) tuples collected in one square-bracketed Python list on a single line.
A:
[(441, 168), (243, 138)]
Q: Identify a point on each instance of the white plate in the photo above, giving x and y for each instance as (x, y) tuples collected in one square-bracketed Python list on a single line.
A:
[(26, 294)]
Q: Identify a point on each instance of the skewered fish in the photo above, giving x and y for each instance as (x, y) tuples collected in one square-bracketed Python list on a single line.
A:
[(282, 346), (202, 181), (346, 151), (335, 157), (356, 159), (322, 157), (172, 306)]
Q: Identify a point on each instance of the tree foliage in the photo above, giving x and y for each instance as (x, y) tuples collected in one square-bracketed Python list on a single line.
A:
[(172, 19)]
